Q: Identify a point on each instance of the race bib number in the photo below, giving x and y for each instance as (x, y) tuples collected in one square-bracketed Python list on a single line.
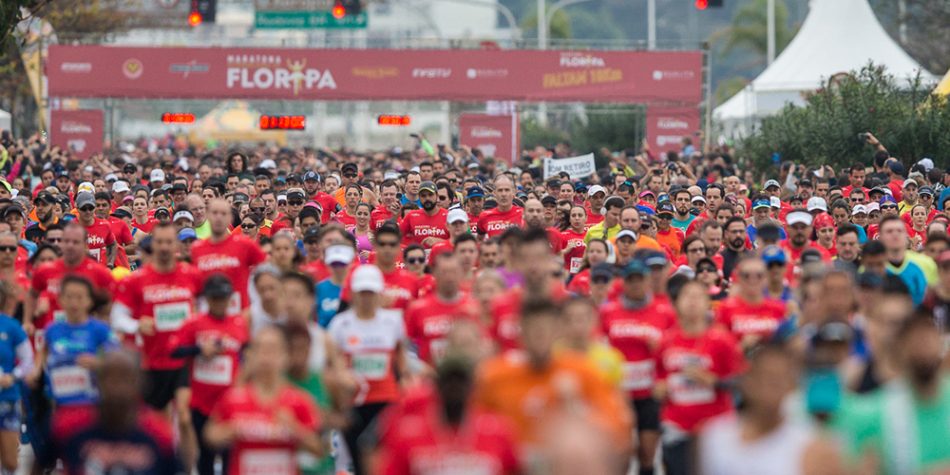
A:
[(171, 316), (268, 462), (94, 253), (70, 381), (437, 349), (371, 366), (576, 263), (216, 371), (234, 305), (638, 376), (686, 392)]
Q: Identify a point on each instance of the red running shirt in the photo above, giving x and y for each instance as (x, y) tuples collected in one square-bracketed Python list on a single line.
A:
[(417, 226), (636, 334), (264, 444), (235, 256), (46, 280), (574, 258), (428, 322), (99, 237), (688, 403), (493, 222), (168, 298), (742, 318), (211, 377), (506, 314)]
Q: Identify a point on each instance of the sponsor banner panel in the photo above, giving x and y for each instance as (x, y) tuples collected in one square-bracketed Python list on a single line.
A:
[(666, 127), (496, 135), (77, 130)]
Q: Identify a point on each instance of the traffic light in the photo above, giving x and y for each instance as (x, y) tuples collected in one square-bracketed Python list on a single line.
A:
[(343, 8), (704, 4), (202, 11)]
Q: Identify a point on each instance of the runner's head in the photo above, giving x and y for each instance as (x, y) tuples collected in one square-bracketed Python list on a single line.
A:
[(533, 213), (893, 233), (267, 356), (533, 249), (298, 295), (386, 244), (919, 348), (164, 244), (8, 250), (73, 244), (447, 271), (219, 215), (217, 291), (299, 342), (504, 192), (771, 376), (120, 385), (540, 323), (77, 298), (692, 306)]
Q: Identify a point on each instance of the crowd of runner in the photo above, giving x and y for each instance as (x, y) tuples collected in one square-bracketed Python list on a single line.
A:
[(436, 311)]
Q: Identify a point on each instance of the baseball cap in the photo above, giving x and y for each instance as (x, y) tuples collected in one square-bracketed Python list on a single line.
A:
[(120, 187), (810, 256), (647, 193), (817, 203), (580, 187), (311, 176), (129, 168), (655, 259), (338, 254), (888, 199), (179, 187), (240, 198), (549, 200), (860, 209), (186, 234), (161, 210), (896, 167), (833, 332), (774, 255), (427, 186), (295, 193), (698, 198), (635, 267), (474, 192), (111, 177), (122, 212), (927, 163), (871, 207), (605, 271), (282, 197), (761, 204), (908, 182), (349, 168), (85, 199), (293, 177), (268, 164), (824, 220), (156, 175), (626, 233), (13, 209), (664, 207), (183, 214), (771, 183), (367, 278), (799, 216), (84, 187), (456, 215), (218, 286), (925, 190), (596, 189), (45, 197)]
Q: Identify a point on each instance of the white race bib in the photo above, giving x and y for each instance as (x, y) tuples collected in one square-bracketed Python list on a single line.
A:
[(268, 462), (437, 349), (171, 316), (216, 371), (576, 263), (371, 366), (234, 305), (70, 381), (638, 376), (94, 253), (685, 392)]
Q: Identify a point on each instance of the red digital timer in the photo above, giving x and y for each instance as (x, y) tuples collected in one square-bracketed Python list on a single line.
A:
[(394, 120), (178, 118), (283, 122)]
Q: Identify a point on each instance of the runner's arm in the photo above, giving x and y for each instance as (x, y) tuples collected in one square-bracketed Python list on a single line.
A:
[(24, 356), (122, 320), (111, 251)]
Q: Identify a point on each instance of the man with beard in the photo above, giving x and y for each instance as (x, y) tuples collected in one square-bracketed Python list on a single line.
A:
[(534, 217), (388, 207), (425, 226), (314, 188), (42, 213), (903, 427), (799, 239), (681, 215)]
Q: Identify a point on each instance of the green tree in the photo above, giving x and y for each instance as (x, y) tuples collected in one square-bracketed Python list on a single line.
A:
[(906, 118), (748, 30)]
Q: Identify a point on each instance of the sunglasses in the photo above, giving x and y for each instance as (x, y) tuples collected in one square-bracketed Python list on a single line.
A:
[(248, 225), (349, 175), (387, 243), (889, 207), (416, 260), (87, 208), (54, 240), (711, 270), (295, 203), (7, 248), (257, 210)]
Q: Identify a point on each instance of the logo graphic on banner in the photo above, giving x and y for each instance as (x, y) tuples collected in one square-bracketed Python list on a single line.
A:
[(576, 167), (339, 74), (79, 131), (495, 135), (666, 127)]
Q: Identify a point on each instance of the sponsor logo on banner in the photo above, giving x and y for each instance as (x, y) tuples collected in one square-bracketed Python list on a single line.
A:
[(576, 167), (276, 72), (133, 68), (375, 73), (432, 73), (76, 68), (666, 126), (71, 127), (79, 131), (185, 69), (495, 135), (473, 73), (581, 60), (486, 132), (673, 75)]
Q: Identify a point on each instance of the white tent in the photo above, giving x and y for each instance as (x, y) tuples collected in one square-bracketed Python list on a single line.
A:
[(837, 36), (6, 120)]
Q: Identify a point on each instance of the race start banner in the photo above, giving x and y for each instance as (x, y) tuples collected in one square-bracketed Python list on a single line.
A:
[(666, 127), (79, 131), (495, 135), (576, 167), (372, 74)]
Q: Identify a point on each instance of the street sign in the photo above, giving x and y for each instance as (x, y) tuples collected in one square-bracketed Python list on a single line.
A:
[(301, 19)]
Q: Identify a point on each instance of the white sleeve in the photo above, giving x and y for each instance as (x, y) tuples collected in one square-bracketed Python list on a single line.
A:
[(122, 321), (24, 356)]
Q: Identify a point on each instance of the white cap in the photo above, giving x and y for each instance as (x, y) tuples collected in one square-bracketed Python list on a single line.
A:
[(873, 206), (111, 177), (367, 278), (456, 215), (771, 183), (86, 186), (596, 189), (927, 163), (157, 175), (268, 164), (859, 209), (338, 254), (281, 197), (120, 187), (700, 198), (183, 214), (909, 181), (391, 175), (626, 233), (775, 202), (799, 216), (817, 202)]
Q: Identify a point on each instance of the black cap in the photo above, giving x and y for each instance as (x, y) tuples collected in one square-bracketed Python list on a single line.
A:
[(293, 177), (549, 200), (296, 194), (311, 234), (553, 182), (179, 187), (602, 271), (129, 168), (240, 198), (45, 197), (218, 286), (809, 256), (664, 207), (13, 209), (349, 167)]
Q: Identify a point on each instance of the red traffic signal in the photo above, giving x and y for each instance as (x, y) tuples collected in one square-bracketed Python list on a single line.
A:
[(339, 11), (702, 4), (194, 19)]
